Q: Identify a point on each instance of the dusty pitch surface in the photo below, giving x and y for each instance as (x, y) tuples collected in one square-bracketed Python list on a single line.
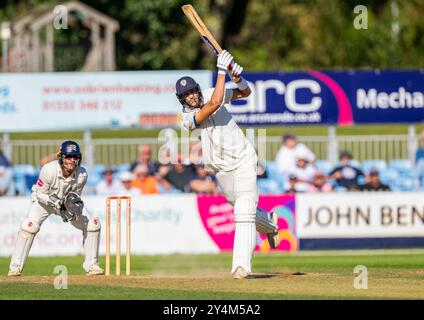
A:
[(319, 285), (395, 274)]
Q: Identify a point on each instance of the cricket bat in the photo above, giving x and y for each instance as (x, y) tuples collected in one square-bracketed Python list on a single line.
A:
[(206, 35)]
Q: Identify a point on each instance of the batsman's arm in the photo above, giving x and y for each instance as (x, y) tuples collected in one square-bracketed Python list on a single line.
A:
[(215, 102), (241, 92)]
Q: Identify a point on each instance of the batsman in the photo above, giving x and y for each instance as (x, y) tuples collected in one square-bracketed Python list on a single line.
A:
[(230, 156), (58, 191)]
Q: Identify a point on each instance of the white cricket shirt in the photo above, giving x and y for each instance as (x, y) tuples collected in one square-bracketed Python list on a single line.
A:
[(51, 181), (224, 145)]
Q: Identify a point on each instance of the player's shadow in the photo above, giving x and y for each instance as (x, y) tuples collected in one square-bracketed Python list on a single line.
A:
[(272, 275), (260, 276)]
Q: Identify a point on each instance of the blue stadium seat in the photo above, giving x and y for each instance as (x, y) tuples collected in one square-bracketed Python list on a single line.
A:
[(369, 164), (20, 171), (419, 167), (274, 174), (93, 180), (123, 167), (30, 180), (410, 174), (97, 169), (271, 169), (402, 166), (389, 176), (395, 187), (340, 189), (407, 184), (269, 186), (361, 180), (324, 166), (95, 175)]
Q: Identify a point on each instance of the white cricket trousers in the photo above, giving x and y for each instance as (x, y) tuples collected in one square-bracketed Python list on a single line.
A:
[(37, 214), (240, 189)]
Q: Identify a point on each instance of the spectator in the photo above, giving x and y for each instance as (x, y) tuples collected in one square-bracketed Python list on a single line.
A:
[(196, 153), (165, 157), (419, 155), (290, 187), (262, 173), (144, 182), (108, 186), (6, 176), (203, 182), (303, 171), (4, 162), (374, 183), (345, 174), (319, 183), (178, 175), (145, 157), (286, 156), (160, 175), (127, 189), (6, 181)]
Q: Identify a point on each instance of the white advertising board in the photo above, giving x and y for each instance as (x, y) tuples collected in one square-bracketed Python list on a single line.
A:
[(359, 215), (81, 100), (160, 225)]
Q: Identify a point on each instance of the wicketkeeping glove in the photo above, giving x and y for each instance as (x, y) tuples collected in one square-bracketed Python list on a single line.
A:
[(223, 61), (55, 202), (72, 207)]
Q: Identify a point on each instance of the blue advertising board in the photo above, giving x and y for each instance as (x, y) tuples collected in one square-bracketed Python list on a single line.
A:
[(332, 97)]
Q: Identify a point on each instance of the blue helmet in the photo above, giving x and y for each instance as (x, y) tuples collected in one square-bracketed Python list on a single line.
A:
[(69, 148), (183, 85)]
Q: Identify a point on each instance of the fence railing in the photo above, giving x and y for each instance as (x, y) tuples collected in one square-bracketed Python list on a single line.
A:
[(119, 151)]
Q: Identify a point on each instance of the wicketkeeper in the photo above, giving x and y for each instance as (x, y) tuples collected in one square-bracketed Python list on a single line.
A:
[(229, 155), (58, 191)]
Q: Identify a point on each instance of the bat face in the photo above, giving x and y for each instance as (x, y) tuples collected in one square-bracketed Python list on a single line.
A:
[(197, 22), (206, 39), (206, 35)]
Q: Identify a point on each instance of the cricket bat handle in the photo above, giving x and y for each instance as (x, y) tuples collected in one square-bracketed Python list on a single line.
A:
[(218, 50), (230, 67)]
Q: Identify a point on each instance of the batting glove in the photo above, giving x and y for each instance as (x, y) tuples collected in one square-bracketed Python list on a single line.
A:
[(223, 61), (235, 72)]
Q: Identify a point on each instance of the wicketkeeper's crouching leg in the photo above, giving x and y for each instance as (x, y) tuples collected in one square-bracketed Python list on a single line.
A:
[(91, 240), (29, 228)]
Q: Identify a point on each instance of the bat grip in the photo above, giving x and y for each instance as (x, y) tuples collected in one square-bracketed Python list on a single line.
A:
[(230, 67)]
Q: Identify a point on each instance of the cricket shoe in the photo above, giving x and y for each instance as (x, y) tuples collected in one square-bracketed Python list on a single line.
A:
[(14, 272), (240, 273), (95, 270), (273, 238)]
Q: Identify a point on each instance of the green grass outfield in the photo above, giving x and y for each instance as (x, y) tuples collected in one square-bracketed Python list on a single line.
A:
[(392, 274)]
